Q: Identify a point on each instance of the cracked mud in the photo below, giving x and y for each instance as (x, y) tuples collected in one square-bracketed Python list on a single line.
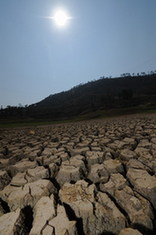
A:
[(88, 178)]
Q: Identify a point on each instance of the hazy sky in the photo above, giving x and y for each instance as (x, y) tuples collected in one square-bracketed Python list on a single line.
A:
[(103, 38)]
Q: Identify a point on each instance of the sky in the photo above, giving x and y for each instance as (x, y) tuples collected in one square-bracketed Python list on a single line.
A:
[(102, 38)]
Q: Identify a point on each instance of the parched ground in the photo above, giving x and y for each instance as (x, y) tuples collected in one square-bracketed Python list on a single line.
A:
[(93, 177)]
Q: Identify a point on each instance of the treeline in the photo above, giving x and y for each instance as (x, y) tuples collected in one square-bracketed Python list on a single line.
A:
[(103, 94), (14, 112)]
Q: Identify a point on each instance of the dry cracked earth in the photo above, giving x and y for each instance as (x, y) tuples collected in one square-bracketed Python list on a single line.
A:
[(88, 178)]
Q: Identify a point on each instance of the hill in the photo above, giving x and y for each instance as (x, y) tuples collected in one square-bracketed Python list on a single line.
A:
[(137, 92), (101, 94)]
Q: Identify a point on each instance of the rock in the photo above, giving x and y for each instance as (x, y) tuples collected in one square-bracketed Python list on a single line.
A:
[(154, 167), (113, 166), (9, 223), (47, 160), (47, 152), (4, 179), (68, 173), (138, 210), (37, 173), (134, 208), (80, 197), (60, 151), (71, 170), (147, 163), (133, 163), (32, 132), (77, 161), (19, 197), (153, 140), (39, 160), (130, 142), (119, 145), (15, 158), (129, 231), (144, 153), (77, 151), (108, 155), (44, 211), (98, 149), (98, 173), (33, 154), (21, 166), (3, 163), (144, 144), (98, 216), (64, 156), (94, 144), (61, 223), (85, 143), (104, 141), (19, 180), (94, 157), (110, 219), (143, 183), (51, 159), (126, 154), (53, 168), (78, 157), (48, 230), (116, 182), (146, 205)]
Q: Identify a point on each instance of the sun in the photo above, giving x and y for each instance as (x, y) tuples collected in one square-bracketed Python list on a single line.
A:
[(61, 18)]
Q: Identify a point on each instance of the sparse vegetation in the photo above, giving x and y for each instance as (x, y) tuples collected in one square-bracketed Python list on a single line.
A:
[(103, 97)]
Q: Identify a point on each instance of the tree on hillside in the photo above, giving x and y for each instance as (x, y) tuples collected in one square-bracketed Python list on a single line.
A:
[(126, 94)]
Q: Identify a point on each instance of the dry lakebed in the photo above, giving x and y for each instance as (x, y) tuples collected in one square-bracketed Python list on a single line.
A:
[(86, 178)]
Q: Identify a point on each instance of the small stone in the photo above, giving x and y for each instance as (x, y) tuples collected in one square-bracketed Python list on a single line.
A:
[(47, 152), (143, 183), (127, 154), (129, 231), (61, 223), (22, 166), (19, 197), (4, 179), (94, 157), (18, 180), (68, 174), (116, 181), (9, 223), (76, 151), (98, 173), (113, 166), (44, 210), (133, 163), (48, 230), (37, 173), (53, 169)]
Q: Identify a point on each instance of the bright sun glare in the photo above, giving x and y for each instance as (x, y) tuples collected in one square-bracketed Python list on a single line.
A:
[(61, 18)]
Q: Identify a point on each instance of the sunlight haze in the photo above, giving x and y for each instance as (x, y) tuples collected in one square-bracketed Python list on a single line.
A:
[(86, 40)]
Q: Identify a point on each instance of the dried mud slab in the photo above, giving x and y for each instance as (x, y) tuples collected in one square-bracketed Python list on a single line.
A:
[(86, 178)]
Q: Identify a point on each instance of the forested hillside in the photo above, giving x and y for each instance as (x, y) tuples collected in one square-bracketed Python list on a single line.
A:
[(103, 94)]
